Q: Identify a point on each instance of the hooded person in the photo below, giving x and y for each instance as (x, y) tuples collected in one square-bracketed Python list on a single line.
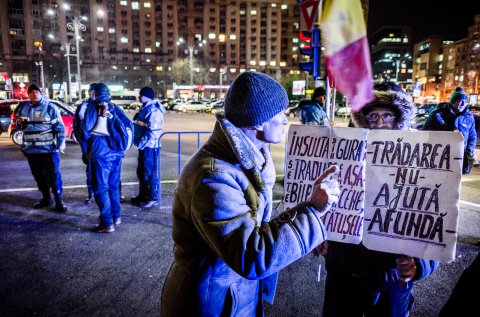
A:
[(148, 124), (108, 133), (456, 116), (227, 248), (363, 282)]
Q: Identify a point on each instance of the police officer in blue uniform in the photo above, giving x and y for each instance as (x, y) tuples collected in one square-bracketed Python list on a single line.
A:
[(148, 123), (108, 133), (43, 137)]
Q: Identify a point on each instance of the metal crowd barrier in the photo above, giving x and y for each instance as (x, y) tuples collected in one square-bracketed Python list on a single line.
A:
[(179, 152)]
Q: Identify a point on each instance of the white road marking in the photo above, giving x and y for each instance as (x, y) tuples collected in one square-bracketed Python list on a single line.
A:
[(29, 189)]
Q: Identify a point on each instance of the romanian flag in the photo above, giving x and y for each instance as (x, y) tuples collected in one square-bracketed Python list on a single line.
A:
[(347, 55)]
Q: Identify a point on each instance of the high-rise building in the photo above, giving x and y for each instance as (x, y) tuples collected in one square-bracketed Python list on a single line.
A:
[(147, 42), (391, 55)]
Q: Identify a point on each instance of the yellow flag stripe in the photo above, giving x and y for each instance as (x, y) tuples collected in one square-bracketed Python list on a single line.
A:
[(342, 23)]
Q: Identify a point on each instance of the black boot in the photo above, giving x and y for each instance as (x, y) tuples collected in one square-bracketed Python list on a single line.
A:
[(59, 206), (46, 200)]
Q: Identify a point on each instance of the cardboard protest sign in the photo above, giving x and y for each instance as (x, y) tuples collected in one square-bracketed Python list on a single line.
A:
[(412, 192), (310, 151)]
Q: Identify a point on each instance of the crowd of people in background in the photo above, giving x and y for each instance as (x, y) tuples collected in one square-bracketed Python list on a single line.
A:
[(104, 133), (228, 249)]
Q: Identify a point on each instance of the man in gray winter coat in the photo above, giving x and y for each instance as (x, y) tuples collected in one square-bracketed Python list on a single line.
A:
[(228, 251)]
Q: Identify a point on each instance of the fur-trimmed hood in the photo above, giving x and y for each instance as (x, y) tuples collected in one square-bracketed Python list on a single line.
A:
[(391, 99)]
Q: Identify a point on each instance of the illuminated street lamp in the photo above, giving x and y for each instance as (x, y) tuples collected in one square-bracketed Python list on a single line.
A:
[(398, 60), (67, 48), (77, 26), (39, 45), (191, 49)]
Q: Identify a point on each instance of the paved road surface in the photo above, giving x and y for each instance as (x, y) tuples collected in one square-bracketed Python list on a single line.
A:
[(53, 265)]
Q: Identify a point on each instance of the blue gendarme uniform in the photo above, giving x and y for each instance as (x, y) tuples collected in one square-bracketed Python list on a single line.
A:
[(105, 158), (148, 124), (43, 134)]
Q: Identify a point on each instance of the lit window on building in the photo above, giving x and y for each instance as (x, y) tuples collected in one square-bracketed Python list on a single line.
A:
[(99, 28), (242, 12), (221, 37), (135, 5), (283, 64), (295, 40), (111, 30), (211, 36), (274, 5), (123, 2), (212, 69), (147, 60), (157, 44), (136, 50), (148, 50), (159, 68), (123, 40), (233, 37), (253, 63), (146, 5), (262, 63), (253, 12), (273, 63), (284, 7)]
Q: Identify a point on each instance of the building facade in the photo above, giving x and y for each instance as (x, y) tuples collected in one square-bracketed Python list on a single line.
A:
[(157, 43), (390, 55), (440, 66)]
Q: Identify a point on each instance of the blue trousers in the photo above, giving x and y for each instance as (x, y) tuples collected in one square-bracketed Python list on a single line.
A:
[(88, 174), (45, 168), (147, 173), (354, 296), (106, 186)]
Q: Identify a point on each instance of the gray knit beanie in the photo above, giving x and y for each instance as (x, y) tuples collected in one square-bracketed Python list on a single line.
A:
[(254, 98)]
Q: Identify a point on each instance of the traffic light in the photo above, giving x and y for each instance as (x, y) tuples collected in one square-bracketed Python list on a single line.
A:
[(313, 51)]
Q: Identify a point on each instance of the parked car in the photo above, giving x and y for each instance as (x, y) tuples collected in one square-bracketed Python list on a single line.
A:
[(293, 110), (66, 112), (6, 109), (133, 106), (475, 109), (191, 105), (418, 121), (344, 111), (427, 108), (169, 104)]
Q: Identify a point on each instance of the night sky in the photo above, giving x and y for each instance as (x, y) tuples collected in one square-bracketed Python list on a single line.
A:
[(425, 17)]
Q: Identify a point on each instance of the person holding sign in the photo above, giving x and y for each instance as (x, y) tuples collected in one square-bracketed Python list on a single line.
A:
[(456, 116), (228, 250), (363, 282)]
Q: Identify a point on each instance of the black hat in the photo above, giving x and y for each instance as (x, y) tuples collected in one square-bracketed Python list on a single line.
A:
[(147, 92), (319, 91), (254, 98), (92, 86), (33, 87)]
